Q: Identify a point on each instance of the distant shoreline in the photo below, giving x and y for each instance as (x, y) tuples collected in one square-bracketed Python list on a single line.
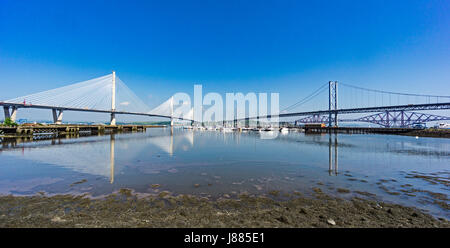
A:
[(434, 133)]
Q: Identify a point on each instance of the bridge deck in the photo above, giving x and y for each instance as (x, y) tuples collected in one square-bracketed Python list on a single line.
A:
[(22, 105)]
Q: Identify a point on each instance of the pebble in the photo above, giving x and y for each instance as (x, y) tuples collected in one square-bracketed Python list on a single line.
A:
[(258, 187), (331, 222), (57, 219)]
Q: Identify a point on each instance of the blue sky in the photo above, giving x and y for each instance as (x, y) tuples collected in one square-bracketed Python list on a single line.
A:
[(159, 48)]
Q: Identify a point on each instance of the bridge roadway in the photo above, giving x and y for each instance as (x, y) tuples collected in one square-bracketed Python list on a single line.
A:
[(22, 105)]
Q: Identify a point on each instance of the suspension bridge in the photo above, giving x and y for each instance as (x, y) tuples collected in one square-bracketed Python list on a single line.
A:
[(110, 95), (392, 109)]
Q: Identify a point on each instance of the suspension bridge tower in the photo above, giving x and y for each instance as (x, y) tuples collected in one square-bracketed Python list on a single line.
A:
[(332, 103)]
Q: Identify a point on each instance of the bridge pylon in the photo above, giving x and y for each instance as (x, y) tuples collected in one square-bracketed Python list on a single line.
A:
[(113, 99), (171, 111)]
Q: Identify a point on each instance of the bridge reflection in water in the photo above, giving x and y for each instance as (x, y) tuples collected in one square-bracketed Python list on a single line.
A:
[(111, 157), (90, 154), (136, 155), (165, 143), (330, 154)]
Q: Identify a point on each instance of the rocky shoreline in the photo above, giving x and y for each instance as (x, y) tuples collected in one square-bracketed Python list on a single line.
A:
[(125, 209)]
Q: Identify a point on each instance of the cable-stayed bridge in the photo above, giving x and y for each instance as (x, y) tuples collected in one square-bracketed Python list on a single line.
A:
[(107, 94), (110, 95)]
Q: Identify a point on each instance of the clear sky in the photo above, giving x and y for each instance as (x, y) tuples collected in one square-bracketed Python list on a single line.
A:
[(159, 48)]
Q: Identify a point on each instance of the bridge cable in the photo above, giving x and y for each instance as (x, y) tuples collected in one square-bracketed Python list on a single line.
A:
[(307, 98)]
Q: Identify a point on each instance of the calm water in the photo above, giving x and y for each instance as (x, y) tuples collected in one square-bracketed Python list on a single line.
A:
[(212, 164)]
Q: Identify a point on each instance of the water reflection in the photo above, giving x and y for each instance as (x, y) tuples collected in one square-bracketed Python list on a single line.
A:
[(111, 157), (90, 155), (221, 162), (330, 154)]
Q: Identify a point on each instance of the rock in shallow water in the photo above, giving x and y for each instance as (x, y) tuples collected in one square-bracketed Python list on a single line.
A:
[(155, 186)]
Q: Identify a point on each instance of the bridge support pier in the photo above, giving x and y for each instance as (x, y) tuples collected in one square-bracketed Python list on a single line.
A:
[(171, 122), (12, 115), (6, 110), (57, 116), (113, 119)]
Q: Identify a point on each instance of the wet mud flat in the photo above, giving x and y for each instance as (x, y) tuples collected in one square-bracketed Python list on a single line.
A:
[(125, 209)]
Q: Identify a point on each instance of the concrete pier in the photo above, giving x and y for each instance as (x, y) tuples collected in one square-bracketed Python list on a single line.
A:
[(6, 110), (57, 116), (12, 115), (113, 119)]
